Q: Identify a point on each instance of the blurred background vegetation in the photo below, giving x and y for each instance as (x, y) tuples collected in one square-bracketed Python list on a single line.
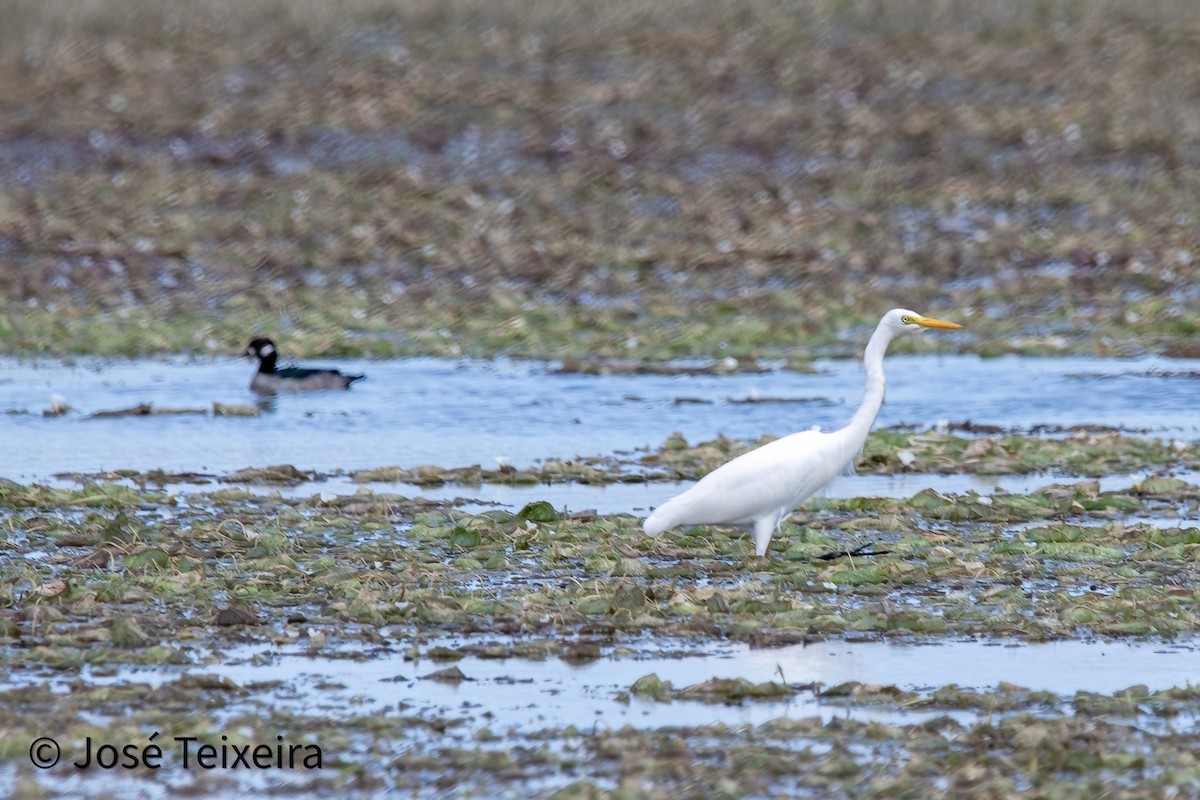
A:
[(620, 179)]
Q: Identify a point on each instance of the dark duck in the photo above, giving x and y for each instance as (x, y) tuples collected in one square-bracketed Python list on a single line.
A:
[(271, 380)]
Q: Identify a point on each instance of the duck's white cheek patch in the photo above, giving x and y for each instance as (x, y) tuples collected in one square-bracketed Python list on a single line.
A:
[(268, 351)]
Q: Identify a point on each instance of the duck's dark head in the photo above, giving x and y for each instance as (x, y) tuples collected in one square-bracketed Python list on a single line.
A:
[(264, 350)]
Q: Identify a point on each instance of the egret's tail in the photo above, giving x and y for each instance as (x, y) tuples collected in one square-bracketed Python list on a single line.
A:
[(656, 523)]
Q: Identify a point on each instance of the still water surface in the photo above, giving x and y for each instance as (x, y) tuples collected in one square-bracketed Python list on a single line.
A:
[(530, 695), (425, 411)]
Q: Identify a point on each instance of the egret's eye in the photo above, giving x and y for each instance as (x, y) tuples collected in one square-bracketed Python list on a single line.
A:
[(907, 320)]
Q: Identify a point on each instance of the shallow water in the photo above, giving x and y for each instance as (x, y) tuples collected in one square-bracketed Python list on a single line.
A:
[(529, 695), (425, 411), (639, 498), (419, 411)]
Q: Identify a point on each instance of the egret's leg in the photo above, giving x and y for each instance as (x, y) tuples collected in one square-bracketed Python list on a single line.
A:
[(764, 527)]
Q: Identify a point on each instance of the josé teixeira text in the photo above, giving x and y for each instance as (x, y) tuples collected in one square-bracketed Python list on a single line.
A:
[(189, 752)]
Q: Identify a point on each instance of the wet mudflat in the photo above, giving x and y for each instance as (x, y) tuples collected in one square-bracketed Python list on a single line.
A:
[(686, 214), (1014, 596), (502, 653), (629, 183)]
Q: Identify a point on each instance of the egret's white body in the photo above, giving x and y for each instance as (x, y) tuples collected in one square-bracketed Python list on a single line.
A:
[(763, 486)]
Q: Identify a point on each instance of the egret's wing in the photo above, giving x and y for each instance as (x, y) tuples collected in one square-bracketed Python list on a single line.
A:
[(777, 475)]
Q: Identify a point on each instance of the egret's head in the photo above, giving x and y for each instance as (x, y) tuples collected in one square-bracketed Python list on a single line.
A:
[(902, 319)]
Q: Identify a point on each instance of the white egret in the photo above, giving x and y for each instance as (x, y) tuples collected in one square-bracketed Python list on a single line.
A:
[(763, 486)]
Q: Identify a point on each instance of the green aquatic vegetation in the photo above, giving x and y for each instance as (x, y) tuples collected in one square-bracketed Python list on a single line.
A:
[(538, 511), (857, 693), (856, 577), (1083, 453), (1063, 533), (1164, 486), (732, 690), (932, 451), (280, 473), (1072, 551), (96, 495), (464, 538), (588, 471), (150, 559), (905, 567), (652, 687)]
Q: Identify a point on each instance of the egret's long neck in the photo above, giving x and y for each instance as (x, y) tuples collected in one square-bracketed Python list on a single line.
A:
[(864, 417)]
